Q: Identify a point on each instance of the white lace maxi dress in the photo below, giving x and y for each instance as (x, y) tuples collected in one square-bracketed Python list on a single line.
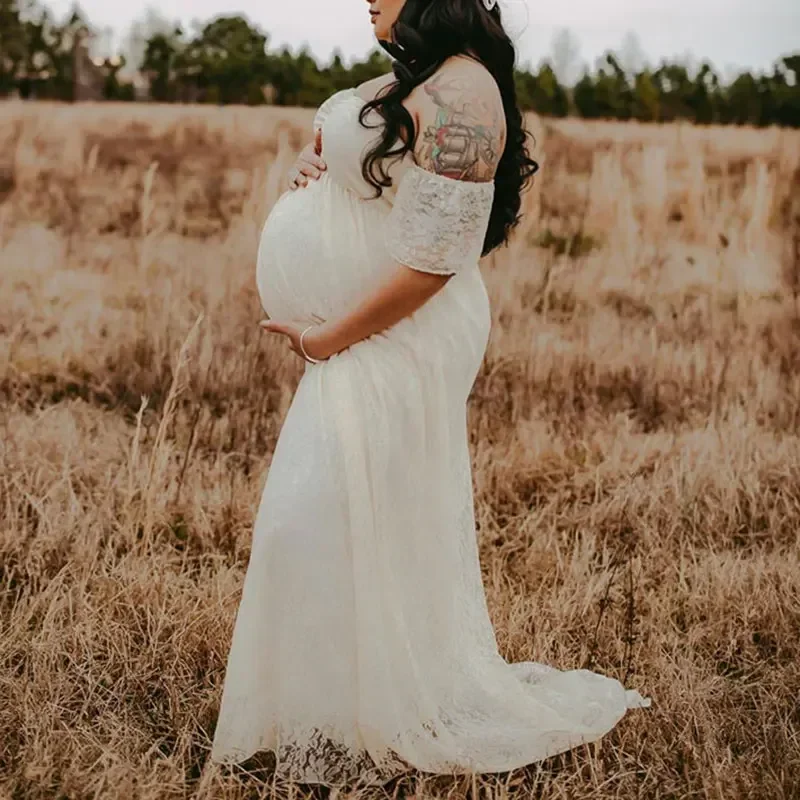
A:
[(362, 644)]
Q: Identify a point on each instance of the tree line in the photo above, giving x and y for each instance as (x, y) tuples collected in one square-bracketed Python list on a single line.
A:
[(229, 60)]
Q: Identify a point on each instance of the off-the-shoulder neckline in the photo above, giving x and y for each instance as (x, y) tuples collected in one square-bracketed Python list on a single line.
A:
[(357, 95)]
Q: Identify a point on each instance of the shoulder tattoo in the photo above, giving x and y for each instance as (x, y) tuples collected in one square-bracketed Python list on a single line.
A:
[(466, 139)]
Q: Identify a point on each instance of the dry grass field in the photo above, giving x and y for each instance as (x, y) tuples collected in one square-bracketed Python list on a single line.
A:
[(635, 433)]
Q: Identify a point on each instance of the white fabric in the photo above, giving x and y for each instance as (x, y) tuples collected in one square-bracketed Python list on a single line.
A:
[(438, 224), (328, 106), (363, 645)]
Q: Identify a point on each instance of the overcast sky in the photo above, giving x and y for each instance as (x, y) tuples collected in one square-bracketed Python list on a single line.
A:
[(731, 33)]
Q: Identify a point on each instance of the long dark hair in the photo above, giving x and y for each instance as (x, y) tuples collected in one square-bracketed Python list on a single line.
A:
[(425, 35)]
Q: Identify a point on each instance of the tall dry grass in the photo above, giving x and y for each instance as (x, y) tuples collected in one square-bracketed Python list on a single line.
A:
[(635, 431)]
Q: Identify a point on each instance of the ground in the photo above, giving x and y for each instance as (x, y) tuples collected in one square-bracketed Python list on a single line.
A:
[(635, 432)]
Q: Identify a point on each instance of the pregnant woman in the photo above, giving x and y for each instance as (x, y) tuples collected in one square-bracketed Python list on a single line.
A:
[(363, 646)]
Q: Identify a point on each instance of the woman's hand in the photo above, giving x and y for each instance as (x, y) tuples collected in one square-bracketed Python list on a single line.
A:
[(317, 342), (309, 164)]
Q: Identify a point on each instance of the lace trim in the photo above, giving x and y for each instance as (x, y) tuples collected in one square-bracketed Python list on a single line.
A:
[(318, 758), (438, 224), (322, 754)]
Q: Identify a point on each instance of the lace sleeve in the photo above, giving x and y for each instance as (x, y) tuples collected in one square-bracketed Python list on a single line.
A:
[(438, 224), (328, 105)]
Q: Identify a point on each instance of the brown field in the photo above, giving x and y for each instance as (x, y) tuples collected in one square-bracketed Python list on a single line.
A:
[(635, 440)]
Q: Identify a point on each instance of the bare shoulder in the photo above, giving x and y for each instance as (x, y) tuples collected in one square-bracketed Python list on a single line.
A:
[(461, 121)]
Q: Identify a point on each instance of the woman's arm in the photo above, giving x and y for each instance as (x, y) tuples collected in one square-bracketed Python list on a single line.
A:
[(459, 114), (401, 295)]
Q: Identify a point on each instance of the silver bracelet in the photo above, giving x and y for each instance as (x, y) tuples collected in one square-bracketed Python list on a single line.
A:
[(306, 356)]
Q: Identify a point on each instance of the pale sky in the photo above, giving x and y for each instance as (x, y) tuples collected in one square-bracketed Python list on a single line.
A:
[(730, 33)]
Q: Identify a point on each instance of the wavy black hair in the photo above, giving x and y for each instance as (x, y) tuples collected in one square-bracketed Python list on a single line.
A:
[(425, 35)]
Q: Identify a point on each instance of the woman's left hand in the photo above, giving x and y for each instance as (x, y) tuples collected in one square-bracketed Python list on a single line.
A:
[(316, 342)]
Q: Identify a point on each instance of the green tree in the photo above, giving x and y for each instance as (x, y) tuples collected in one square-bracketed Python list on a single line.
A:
[(289, 74), (743, 101), (675, 90), (113, 87), (228, 61), (583, 96), (229, 56), (13, 45), (158, 64), (701, 97), (56, 51), (337, 74), (788, 106), (544, 93), (646, 98), (609, 95)]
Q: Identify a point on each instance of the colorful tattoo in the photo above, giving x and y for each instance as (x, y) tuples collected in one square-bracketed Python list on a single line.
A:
[(460, 144)]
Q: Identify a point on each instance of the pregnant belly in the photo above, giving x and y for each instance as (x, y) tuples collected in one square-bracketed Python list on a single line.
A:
[(319, 250)]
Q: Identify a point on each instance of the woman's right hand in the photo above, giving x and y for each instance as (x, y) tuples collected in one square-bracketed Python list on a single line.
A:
[(309, 165)]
